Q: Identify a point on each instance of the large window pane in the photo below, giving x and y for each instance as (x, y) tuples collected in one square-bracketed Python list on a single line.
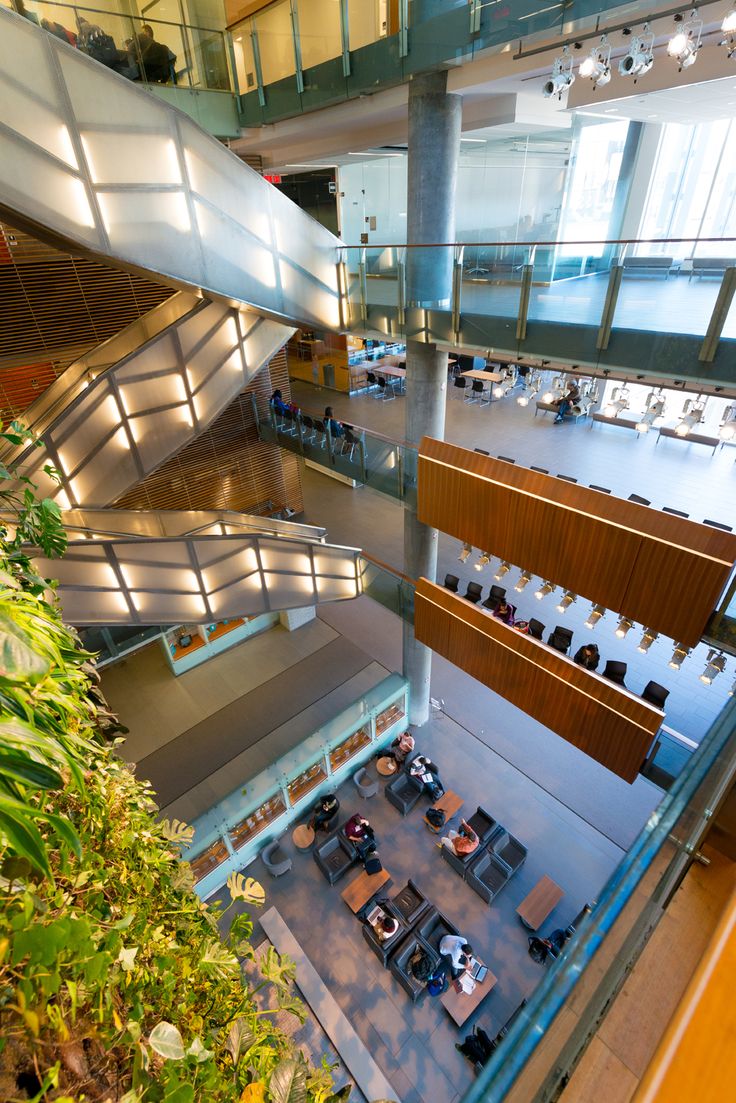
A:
[(245, 65), (367, 21), (276, 42), (592, 186), (319, 31)]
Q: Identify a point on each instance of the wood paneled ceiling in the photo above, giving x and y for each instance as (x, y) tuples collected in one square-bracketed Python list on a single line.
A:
[(665, 572)]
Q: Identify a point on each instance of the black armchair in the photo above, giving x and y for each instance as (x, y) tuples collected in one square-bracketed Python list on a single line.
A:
[(485, 828), (451, 582), (335, 856), (403, 791), (560, 639), (496, 595), (536, 628), (655, 694), (432, 928), (384, 949), (487, 875), (473, 592), (509, 851), (615, 672), (410, 903), (399, 966)]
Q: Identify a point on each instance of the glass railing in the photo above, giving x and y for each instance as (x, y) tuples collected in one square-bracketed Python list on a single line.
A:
[(588, 300), (598, 957), (387, 586), (360, 455), (149, 50)]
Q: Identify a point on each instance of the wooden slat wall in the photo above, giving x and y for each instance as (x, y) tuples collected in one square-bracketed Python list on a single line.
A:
[(56, 307), (663, 571), (227, 466), (598, 717)]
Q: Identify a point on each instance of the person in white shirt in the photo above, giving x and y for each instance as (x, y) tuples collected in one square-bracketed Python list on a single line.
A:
[(457, 952)]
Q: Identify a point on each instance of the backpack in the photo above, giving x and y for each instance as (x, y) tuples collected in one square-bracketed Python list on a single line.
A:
[(436, 817), (373, 863), (420, 966), (102, 48)]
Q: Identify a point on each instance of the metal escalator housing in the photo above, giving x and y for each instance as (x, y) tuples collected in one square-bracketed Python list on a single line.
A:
[(91, 162)]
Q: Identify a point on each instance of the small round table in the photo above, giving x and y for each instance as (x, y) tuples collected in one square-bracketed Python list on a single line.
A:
[(386, 766), (303, 836)]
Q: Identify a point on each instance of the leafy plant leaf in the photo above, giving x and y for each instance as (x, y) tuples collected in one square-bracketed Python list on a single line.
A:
[(19, 661), (177, 832), (288, 1083), (240, 1038), (25, 839), (217, 959), (246, 888), (166, 1040), (198, 1051), (254, 1093), (278, 969), (27, 771)]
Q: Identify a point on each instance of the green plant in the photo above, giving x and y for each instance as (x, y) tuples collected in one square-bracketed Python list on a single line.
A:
[(114, 981)]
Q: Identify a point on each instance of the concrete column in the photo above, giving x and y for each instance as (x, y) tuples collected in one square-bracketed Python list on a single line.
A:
[(434, 142)]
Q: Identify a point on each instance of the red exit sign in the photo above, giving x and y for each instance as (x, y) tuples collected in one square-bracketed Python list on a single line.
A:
[(272, 178)]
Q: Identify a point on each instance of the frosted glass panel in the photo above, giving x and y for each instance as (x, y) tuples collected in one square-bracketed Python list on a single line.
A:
[(118, 158), (58, 195)]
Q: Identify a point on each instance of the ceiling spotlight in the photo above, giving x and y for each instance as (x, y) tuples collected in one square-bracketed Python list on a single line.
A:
[(716, 665), (562, 75), (732, 690), (640, 57), (685, 42), (595, 615), (655, 408), (544, 589), (502, 570), (483, 560), (647, 640), (692, 415), (523, 582), (566, 601), (597, 65), (466, 551), (624, 624), (727, 428), (678, 655), (619, 401), (728, 29)]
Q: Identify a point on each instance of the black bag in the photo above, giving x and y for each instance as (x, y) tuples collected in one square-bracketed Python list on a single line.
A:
[(436, 817), (420, 966), (373, 863), (435, 791), (102, 48)]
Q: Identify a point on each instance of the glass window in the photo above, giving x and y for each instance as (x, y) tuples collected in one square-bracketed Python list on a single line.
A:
[(594, 173), (320, 37), (209, 859), (367, 21), (275, 42), (245, 65), (389, 716), (257, 821), (306, 781), (349, 747)]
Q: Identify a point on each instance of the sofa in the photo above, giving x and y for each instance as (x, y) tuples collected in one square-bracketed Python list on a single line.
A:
[(384, 949), (410, 903), (485, 828), (403, 791), (335, 856), (432, 928), (399, 966), (509, 851), (487, 875)]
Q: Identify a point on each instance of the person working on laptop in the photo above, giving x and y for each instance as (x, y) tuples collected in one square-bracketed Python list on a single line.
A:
[(457, 953)]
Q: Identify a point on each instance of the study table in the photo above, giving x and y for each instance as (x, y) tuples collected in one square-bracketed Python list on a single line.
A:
[(461, 1005), (539, 903), (362, 887), (485, 376)]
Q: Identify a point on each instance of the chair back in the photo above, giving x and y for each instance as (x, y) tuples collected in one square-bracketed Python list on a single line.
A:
[(498, 592), (460, 381), (451, 582), (478, 386), (615, 671), (655, 694), (536, 628), (640, 501), (474, 591), (371, 377)]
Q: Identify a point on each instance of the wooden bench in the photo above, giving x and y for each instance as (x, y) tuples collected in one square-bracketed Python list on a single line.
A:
[(691, 438), (654, 266), (574, 413)]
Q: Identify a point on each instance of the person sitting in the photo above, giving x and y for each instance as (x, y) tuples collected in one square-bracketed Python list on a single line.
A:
[(401, 748), (462, 842), (59, 31), (385, 927), (588, 656), (155, 64), (277, 402), (324, 810), (334, 426), (568, 399), (429, 775), (505, 611), (360, 833), (458, 954)]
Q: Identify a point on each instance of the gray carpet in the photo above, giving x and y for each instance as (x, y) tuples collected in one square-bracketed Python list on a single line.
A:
[(197, 753)]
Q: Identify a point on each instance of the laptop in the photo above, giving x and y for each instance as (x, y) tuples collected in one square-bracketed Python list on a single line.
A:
[(478, 971)]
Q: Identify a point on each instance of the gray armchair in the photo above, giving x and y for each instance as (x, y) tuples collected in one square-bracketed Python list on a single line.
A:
[(365, 785), (486, 828), (276, 861), (335, 856), (403, 791), (384, 949), (410, 903), (509, 851), (487, 876), (399, 966), (432, 928), (461, 862)]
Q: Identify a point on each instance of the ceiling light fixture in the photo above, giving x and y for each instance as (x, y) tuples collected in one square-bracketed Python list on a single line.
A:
[(502, 570), (685, 42), (619, 401), (640, 57), (732, 690), (567, 599), (727, 428), (467, 550), (483, 561), (728, 29), (692, 415), (523, 582), (597, 612), (562, 75), (678, 655), (647, 640), (624, 625), (715, 666), (597, 65), (544, 589)]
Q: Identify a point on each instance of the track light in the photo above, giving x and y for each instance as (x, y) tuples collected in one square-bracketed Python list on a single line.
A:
[(466, 551), (567, 599), (685, 42), (530, 390), (692, 415), (597, 65), (715, 666), (523, 582), (732, 690), (678, 655), (562, 75), (654, 408), (728, 29), (647, 640), (619, 401), (596, 613), (544, 589), (624, 625), (640, 57), (483, 560), (727, 428), (502, 570)]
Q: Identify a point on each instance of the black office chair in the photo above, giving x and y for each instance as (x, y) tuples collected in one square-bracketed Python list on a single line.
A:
[(372, 379), (541, 470), (560, 639), (476, 389), (603, 489), (384, 391), (676, 512), (483, 452), (615, 672), (655, 694), (536, 628), (639, 500), (460, 382), (308, 424), (451, 582), (496, 595), (507, 459), (350, 442), (473, 592), (718, 525), (567, 478)]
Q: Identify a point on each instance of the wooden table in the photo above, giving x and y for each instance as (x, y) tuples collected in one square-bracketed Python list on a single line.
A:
[(303, 836), (461, 1005), (534, 908), (365, 885), (486, 376), (450, 804), (391, 369), (387, 766)]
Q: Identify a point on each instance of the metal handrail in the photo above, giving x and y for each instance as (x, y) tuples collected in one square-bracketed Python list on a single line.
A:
[(529, 244), (133, 18)]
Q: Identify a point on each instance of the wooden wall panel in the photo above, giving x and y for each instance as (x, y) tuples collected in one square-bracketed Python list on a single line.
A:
[(627, 557), (601, 719)]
